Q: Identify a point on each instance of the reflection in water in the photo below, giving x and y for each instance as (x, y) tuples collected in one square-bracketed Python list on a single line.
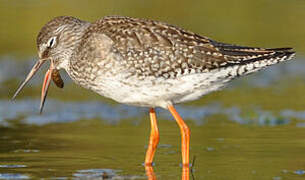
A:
[(185, 175), (150, 173)]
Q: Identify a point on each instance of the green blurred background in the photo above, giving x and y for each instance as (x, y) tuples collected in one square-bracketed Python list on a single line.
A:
[(268, 23)]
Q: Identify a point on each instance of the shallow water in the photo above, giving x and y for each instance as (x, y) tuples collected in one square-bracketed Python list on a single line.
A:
[(253, 129), (93, 148)]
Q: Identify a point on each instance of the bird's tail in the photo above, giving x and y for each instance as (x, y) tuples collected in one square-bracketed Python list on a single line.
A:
[(252, 58)]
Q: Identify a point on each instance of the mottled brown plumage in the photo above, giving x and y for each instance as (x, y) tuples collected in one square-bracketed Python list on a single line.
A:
[(144, 63), (151, 48), (138, 61)]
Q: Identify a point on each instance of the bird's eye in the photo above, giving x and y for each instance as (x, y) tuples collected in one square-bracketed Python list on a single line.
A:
[(51, 42)]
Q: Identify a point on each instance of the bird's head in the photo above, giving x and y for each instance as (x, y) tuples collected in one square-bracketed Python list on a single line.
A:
[(56, 42), (58, 38)]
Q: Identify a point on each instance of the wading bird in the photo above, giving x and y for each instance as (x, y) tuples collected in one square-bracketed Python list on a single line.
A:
[(144, 63)]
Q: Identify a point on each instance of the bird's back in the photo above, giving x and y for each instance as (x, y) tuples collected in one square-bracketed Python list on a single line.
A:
[(136, 51)]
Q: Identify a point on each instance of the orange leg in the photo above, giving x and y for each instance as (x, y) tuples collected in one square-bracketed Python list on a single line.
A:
[(154, 138), (185, 135), (185, 173), (150, 173)]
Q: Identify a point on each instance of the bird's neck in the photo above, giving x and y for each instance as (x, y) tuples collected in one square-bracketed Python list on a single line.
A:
[(67, 54)]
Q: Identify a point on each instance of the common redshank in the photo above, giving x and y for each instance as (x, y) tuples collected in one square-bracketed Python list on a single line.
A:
[(144, 63)]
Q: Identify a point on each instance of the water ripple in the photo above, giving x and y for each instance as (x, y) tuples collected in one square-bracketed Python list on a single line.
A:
[(95, 173), (13, 176), (293, 114), (13, 166), (58, 111), (299, 172), (103, 174)]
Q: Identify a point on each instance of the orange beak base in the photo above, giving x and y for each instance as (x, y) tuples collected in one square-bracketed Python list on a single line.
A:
[(45, 87)]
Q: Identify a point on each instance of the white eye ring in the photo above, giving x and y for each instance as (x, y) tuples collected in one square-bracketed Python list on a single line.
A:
[(51, 42)]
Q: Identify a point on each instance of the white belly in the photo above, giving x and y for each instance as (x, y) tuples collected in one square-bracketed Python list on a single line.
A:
[(152, 92), (161, 92)]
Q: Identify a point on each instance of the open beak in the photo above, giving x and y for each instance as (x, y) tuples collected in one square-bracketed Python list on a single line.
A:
[(46, 82), (45, 86)]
